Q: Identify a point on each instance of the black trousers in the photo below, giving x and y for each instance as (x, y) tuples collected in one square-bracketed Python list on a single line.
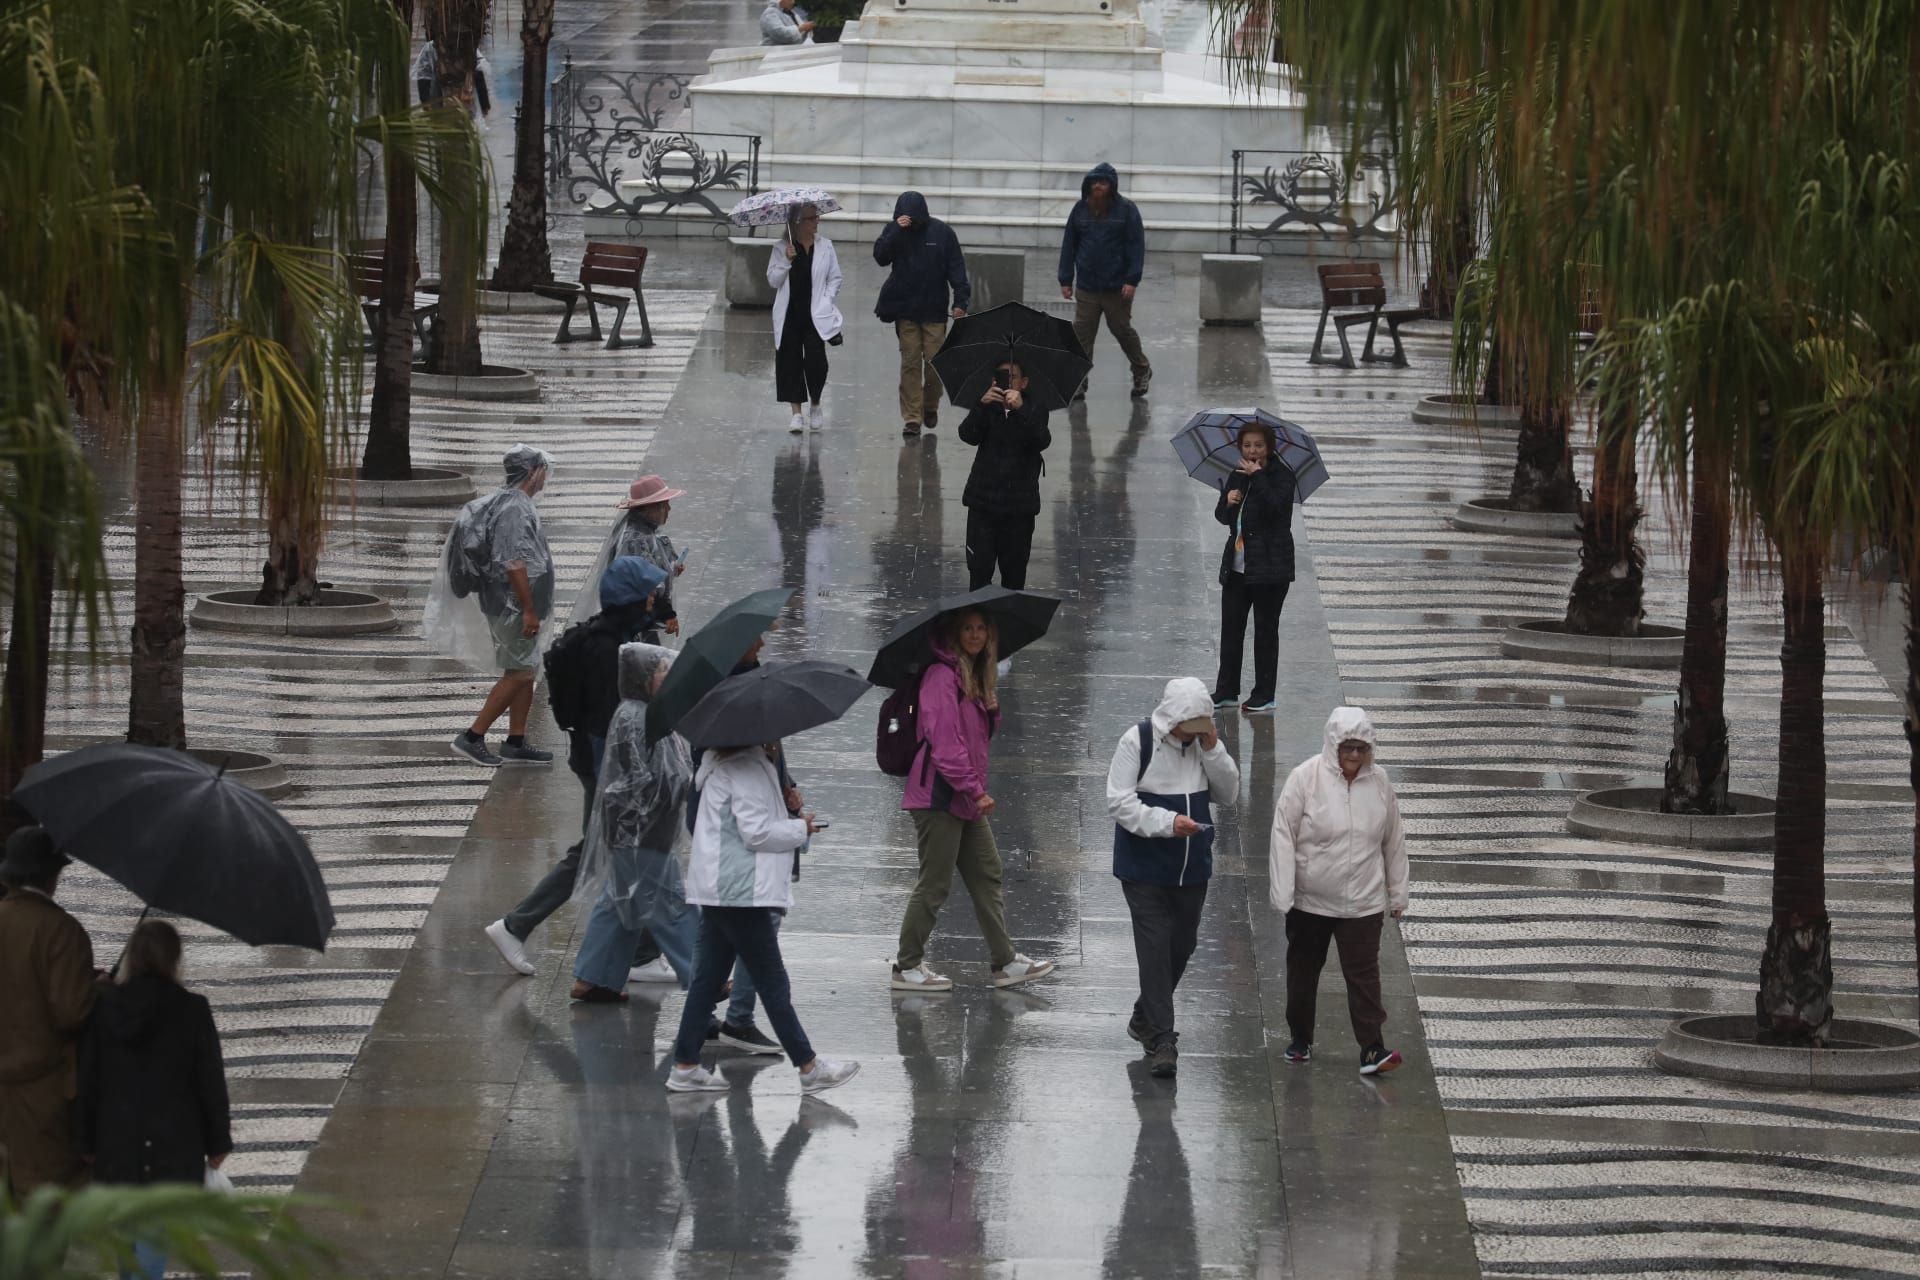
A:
[(800, 365), (1237, 599), (1166, 927), (993, 541), (1359, 943)]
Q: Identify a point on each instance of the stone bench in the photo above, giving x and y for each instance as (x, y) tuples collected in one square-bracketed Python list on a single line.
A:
[(1230, 288), (997, 276), (747, 285)]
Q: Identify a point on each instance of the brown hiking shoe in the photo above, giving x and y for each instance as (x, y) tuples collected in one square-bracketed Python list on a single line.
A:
[(1164, 1061)]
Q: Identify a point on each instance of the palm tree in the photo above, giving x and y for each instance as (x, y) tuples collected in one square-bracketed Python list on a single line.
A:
[(389, 453), (455, 27), (525, 259)]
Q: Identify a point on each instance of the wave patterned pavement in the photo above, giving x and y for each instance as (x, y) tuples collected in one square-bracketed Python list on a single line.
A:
[(1547, 965), (362, 723)]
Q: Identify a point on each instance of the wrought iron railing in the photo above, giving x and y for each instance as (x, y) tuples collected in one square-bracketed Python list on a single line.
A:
[(617, 147), (1283, 195)]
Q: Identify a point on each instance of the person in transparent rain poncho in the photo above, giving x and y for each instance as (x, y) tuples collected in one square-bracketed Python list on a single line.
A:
[(639, 532), (629, 869), (491, 592)]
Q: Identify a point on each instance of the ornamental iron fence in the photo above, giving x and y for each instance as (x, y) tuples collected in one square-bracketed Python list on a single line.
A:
[(1311, 193)]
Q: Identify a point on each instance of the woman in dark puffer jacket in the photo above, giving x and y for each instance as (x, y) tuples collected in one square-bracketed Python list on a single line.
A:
[(1256, 567)]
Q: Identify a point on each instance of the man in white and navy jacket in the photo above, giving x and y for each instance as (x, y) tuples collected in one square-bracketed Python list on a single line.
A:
[(1168, 772)]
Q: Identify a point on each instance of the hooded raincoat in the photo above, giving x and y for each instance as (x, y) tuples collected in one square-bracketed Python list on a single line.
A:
[(926, 265), (951, 774), (631, 535), (743, 840), (1099, 255), (1181, 778), (491, 534), (629, 856), (1337, 847)]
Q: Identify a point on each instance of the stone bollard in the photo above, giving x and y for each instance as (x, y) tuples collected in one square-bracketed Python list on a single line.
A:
[(747, 272), (1230, 288), (997, 276)]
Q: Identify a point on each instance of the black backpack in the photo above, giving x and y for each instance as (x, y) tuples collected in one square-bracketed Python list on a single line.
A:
[(896, 739), (566, 667), (1145, 730)]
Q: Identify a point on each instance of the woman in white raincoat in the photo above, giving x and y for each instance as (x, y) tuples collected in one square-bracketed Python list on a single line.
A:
[(804, 271), (492, 591), (1337, 866), (629, 870)]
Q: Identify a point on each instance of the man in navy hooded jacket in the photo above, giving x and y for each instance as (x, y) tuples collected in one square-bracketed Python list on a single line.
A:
[(926, 263), (1101, 257)]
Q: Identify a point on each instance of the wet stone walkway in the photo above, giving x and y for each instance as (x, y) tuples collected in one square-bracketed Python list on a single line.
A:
[(489, 1128)]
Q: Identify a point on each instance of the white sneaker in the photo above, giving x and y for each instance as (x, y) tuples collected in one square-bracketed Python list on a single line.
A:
[(695, 1079), (512, 950), (824, 1075), (1021, 969), (798, 424), (919, 978), (817, 419), (1006, 665), (654, 970)]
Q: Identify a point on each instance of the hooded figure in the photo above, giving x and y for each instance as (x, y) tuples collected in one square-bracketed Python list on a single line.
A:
[(927, 272), (629, 599), (1102, 254), (1337, 864), (1168, 772), (472, 605)]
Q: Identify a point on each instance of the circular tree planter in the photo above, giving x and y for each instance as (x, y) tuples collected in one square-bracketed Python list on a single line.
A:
[(493, 382), (1632, 815), (338, 613), (1548, 640), (1859, 1055), (1465, 411), (1496, 515), (248, 768), (430, 487)]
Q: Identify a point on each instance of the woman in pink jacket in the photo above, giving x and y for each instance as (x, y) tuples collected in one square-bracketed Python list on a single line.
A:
[(957, 712)]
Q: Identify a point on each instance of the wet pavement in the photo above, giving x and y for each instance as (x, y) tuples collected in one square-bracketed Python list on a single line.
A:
[(491, 1129)]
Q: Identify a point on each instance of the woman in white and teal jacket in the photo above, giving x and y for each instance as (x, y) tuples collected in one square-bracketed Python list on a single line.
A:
[(1168, 772)]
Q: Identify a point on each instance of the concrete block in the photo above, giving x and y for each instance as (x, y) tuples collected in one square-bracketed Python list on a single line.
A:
[(747, 272), (997, 276), (1230, 288)]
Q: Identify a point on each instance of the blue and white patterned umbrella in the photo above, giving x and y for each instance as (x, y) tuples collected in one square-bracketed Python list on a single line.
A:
[(769, 208), (1209, 447)]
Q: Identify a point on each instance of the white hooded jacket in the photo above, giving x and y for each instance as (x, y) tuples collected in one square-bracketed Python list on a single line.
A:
[(743, 840), (1337, 848), (1181, 778)]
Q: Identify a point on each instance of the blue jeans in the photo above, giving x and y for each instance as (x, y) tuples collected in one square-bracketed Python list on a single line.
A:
[(607, 950), (740, 1008), (151, 1264), (749, 935)]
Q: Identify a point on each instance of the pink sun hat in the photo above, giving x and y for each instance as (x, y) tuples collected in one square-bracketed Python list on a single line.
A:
[(648, 490)]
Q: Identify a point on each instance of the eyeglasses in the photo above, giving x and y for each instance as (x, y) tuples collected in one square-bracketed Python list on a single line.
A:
[(1355, 749)]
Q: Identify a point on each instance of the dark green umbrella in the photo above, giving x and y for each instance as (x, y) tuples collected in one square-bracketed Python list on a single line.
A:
[(1021, 617), (773, 701), (710, 655)]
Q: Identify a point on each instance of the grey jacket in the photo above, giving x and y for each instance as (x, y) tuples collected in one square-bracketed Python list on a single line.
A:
[(777, 26)]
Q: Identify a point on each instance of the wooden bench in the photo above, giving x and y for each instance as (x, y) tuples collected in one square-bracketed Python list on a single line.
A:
[(1359, 285), (604, 266), (367, 267)]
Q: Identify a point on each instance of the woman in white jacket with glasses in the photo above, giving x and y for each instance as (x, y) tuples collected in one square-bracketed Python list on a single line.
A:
[(1338, 867)]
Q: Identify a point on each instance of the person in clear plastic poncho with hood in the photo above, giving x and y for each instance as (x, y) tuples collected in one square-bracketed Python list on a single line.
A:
[(629, 870), (491, 592)]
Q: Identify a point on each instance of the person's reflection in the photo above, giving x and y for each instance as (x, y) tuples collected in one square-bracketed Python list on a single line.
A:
[(1156, 1235), (799, 507), (907, 552), (743, 1203)]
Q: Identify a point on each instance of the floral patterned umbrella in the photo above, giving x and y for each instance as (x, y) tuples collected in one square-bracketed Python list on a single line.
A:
[(769, 208)]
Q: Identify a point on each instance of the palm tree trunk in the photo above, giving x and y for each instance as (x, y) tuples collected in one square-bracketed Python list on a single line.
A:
[(389, 451), (1795, 1001), (1607, 597), (23, 696), (525, 258), (456, 337), (156, 713), (1697, 768), (294, 538), (1543, 477), (1449, 254)]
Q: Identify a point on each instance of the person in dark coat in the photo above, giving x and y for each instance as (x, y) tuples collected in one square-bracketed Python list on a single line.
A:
[(1256, 567), (926, 284), (629, 597), (1009, 433), (153, 1090), (1102, 255)]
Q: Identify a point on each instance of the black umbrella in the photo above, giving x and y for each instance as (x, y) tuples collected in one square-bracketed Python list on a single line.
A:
[(1021, 617), (185, 839), (1044, 346), (773, 701), (710, 655)]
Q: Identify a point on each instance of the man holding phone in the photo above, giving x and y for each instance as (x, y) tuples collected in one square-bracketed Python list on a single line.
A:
[(1009, 433)]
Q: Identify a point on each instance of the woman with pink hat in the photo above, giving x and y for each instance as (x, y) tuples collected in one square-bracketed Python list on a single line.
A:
[(637, 532)]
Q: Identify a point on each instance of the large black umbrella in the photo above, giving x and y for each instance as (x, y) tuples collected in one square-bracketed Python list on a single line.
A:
[(1044, 346), (710, 655), (773, 701), (1021, 617), (185, 839)]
